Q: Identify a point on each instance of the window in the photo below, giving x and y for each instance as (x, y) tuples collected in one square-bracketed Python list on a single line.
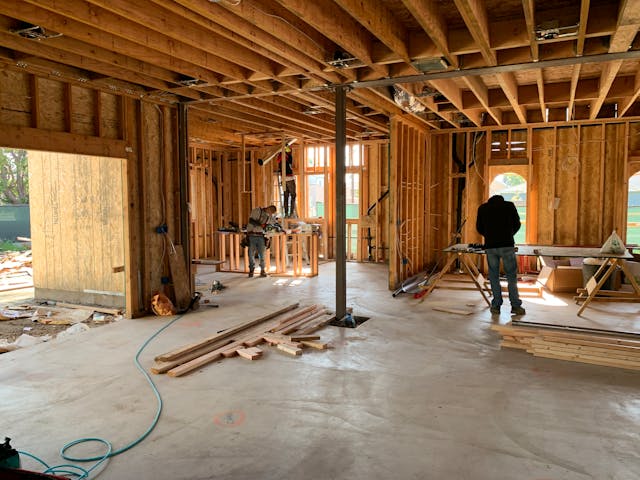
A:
[(352, 194), (633, 210), (315, 196), (316, 159), (509, 144), (513, 188)]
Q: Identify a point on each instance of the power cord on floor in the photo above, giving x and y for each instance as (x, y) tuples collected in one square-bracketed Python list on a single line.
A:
[(82, 473)]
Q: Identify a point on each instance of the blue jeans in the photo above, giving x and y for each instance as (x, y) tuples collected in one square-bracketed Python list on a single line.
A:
[(256, 244), (508, 255)]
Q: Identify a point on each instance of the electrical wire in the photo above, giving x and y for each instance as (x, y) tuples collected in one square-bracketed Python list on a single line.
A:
[(82, 473)]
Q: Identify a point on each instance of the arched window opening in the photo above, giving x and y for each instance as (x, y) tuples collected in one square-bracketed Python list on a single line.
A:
[(633, 211), (513, 188)]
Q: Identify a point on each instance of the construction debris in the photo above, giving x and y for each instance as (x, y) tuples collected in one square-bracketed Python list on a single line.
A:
[(599, 349), (290, 333), (15, 271)]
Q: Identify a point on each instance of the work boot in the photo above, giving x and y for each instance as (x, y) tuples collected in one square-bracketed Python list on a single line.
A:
[(495, 310), (518, 311), (251, 274), (263, 273)]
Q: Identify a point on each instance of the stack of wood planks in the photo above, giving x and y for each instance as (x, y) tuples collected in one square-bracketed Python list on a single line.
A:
[(290, 329), (622, 351)]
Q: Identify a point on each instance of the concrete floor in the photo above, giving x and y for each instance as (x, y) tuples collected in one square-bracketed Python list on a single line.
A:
[(410, 394)]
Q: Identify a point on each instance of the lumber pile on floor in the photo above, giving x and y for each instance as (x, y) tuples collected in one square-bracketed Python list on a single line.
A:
[(599, 349), (290, 329)]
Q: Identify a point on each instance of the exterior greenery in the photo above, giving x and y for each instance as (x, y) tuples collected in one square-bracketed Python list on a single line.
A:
[(14, 178)]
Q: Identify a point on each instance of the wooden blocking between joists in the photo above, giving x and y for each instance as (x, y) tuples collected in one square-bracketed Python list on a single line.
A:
[(250, 353), (290, 349)]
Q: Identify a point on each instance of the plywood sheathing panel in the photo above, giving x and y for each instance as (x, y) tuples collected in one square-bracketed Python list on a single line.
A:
[(82, 112), (614, 178), (591, 187), (78, 236), (15, 90), (566, 186), (543, 190)]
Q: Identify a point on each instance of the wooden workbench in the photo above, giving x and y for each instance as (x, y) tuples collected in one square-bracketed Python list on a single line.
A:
[(288, 250), (593, 290)]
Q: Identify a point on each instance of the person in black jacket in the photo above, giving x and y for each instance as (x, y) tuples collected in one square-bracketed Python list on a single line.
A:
[(498, 221)]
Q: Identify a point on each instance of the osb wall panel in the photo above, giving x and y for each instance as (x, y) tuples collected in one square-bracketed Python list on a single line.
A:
[(83, 111), (591, 185), (51, 109), (15, 98), (437, 212), (110, 112), (542, 191), (77, 228), (615, 197), (566, 186)]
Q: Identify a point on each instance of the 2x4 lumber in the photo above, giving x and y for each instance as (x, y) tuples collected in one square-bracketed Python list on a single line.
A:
[(296, 316), (109, 311), (174, 354), (297, 337), (541, 345), (299, 324), (316, 324), (164, 367), (291, 350), (589, 359), (250, 353), (315, 344)]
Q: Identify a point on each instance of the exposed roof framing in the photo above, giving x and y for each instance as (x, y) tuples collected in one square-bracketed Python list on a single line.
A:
[(249, 66)]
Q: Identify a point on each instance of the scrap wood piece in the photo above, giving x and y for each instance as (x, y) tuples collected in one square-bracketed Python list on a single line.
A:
[(10, 314), (278, 339), (315, 344), (296, 337), (453, 310), (289, 349), (250, 353), (174, 354), (93, 308), (164, 367)]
